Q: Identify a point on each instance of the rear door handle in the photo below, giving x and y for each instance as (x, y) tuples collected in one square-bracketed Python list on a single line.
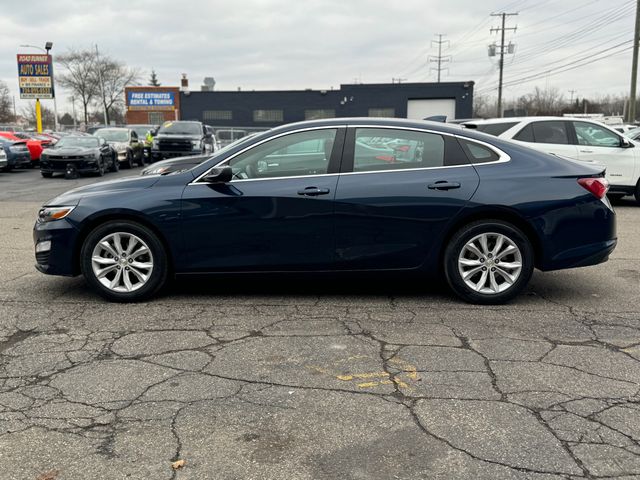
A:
[(443, 185), (313, 191)]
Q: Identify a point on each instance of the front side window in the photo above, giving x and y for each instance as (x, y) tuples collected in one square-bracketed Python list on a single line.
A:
[(544, 132), (303, 153), (390, 149), (595, 135)]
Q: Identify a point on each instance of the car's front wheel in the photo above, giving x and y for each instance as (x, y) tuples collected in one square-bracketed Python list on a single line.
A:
[(488, 262), (124, 261)]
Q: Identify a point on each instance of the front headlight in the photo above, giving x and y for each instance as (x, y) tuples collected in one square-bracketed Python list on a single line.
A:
[(49, 214), (154, 143), (195, 143)]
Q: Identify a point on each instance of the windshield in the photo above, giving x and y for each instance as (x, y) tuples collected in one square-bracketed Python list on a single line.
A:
[(113, 135), (181, 128), (141, 131), (77, 142)]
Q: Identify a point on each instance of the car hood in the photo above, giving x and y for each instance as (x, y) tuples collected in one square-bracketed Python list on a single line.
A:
[(73, 197), (71, 150)]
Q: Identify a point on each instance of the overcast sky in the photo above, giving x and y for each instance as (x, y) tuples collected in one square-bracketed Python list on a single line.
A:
[(297, 44)]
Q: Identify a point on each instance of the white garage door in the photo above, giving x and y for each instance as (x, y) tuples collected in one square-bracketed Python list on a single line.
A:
[(419, 109)]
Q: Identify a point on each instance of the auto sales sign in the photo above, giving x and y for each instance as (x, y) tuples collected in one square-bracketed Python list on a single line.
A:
[(35, 76)]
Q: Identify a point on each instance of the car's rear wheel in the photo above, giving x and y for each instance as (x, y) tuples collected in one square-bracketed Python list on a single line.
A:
[(637, 192), (124, 261), (46, 174), (615, 196), (129, 161), (488, 262)]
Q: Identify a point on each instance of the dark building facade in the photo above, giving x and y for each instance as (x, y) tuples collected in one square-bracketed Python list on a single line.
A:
[(270, 108)]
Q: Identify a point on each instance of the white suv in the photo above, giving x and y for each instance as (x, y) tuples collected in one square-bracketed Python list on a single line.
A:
[(578, 139)]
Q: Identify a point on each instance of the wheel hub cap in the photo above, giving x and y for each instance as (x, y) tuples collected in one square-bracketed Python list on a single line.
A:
[(490, 263)]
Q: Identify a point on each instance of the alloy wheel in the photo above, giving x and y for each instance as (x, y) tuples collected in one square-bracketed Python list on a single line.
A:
[(122, 262), (490, 263)]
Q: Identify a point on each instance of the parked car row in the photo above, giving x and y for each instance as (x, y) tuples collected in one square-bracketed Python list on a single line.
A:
[(576, 139)]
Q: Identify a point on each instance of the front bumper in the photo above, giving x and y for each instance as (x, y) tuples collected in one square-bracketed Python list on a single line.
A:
[(60, 166), (59, 259), (165, 154)]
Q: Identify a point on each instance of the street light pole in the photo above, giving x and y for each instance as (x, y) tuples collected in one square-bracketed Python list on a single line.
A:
[(48, 47)]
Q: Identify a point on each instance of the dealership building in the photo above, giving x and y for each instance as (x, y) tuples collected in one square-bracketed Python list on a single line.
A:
[(266, 109)]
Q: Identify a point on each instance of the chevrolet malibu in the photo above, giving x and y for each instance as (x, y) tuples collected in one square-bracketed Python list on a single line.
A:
[(338, 195)]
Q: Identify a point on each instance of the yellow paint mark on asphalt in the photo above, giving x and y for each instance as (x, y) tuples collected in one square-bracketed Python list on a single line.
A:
[(407, 375)]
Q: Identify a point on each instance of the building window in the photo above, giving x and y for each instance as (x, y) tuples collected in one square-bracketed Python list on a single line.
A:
[(217, 115), (319, 113), (156, 118), (382, 112), (268, 115)]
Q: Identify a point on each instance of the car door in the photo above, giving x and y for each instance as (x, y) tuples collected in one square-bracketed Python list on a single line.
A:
[(276, 213), (597, 144), (549, 136), (398, 190)]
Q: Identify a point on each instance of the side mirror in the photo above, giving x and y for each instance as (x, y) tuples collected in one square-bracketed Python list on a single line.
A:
[(219, 175), (625, 143)]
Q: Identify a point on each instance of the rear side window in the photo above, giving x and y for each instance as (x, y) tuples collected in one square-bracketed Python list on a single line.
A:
[(391, 149), (478, 153), (544, 132), (495, 129)]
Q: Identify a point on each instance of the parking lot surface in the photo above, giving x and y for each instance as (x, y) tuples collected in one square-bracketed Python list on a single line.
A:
[(315, 378)]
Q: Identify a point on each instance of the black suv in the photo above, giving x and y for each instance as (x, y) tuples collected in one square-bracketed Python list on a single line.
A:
[(181, 138)]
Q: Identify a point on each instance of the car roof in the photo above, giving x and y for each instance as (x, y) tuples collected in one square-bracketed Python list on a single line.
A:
[(490, 121)]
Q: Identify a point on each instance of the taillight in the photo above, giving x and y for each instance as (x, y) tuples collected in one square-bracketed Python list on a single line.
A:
[(597, 186)]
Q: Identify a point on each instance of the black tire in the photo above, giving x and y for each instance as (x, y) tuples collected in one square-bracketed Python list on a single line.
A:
[(465, 235), (157, 277), (100, 171), (637, 192), (129, 161), (141, 162), (115, 165), (46, 174)]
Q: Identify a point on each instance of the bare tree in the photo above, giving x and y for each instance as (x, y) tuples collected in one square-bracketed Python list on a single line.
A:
[(6, 104), (79, 76), (484, 106), (29, 113), (115, 76)]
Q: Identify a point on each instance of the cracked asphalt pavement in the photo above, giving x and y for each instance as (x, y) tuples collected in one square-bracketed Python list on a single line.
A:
[(378, 377)]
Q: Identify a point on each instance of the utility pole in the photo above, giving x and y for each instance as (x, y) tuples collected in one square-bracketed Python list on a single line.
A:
[(634, 68), (572, 92), (440, 59), (502, 29)]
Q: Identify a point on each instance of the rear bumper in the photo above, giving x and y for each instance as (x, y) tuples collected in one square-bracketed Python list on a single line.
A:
[(583, 256)]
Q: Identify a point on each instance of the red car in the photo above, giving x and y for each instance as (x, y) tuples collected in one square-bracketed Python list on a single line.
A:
[(35, 142)]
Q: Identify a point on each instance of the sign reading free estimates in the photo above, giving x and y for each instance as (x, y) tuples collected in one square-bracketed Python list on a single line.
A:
[(34, 76), (141, 100)]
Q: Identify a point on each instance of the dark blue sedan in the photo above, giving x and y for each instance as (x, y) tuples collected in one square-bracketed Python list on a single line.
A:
[(338, 195)]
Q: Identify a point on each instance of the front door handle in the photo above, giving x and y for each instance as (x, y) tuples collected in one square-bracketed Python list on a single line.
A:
[(313, 191), (586, 151), (443, 185)]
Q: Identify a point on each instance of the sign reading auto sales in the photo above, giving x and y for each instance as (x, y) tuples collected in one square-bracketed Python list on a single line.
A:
[(34, 76)]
